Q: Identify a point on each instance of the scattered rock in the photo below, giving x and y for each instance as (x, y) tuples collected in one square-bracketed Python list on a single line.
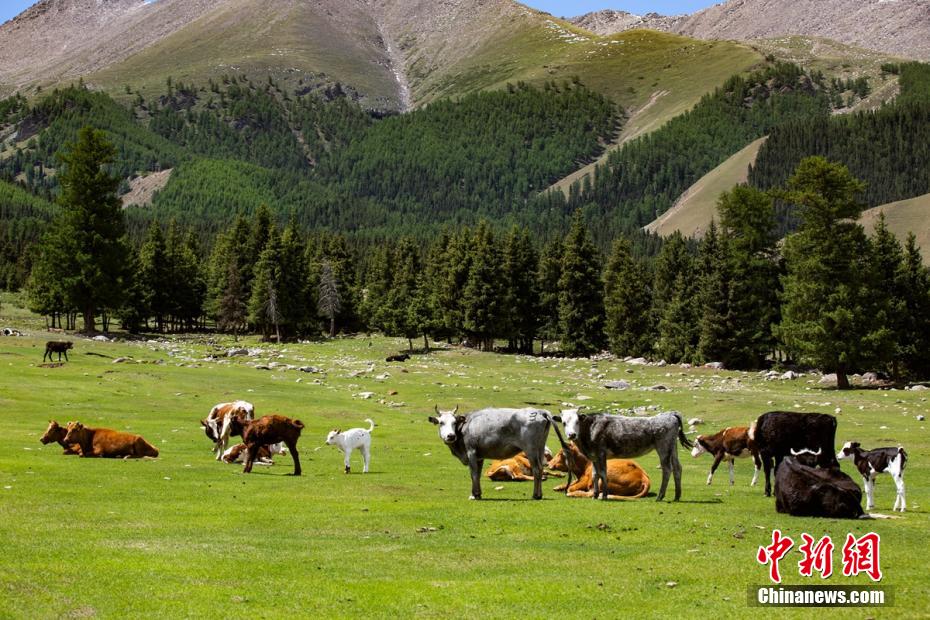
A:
[(829, 379), (638, 361), (582, 397), (100, 339), (870, 377), (382, 376), (672, 584), (121, 360), (789, 375), (617, 385), (237, 352), (919, 388), (657, 388), (365, 395), (424, 530), (262, 367), (392, 392), (311, 369), (695, 421)]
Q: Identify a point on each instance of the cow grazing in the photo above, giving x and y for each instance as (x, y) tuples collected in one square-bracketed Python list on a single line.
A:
[(728, 445), (496, 434), (238, 454), (216, 425), (805, 491), (56, 433), (59, 347), (106, 443), (515, 469), (600, 436), (776, 433), (870, 463), (403, 357), (267, 430), (625, 478)]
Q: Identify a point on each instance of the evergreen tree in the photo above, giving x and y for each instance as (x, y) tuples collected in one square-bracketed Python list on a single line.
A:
[(914, 340), (264, 304), (674, 303), (521, 297), (481, 298), (232, 312), (403, 314), (627, 302), (888, 294), (155, 272), (581, 302), (547, 283), (715, 340), (826, 315), (330, 299), (292, 284)]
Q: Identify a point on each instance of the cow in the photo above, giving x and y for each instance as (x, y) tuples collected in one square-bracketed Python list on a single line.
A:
[(870, 463), (728, 445), (776, 433), (496, 433), (600, 436), (805, 491), (267, 430), (106, 443), (238, 454), (59, 347), (216, 425), (625, 478), (403, 357), (515, 469), (56, 432)]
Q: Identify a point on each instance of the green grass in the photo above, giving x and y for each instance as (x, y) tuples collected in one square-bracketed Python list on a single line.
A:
[(696, 208), (903, 217), (184, 536)]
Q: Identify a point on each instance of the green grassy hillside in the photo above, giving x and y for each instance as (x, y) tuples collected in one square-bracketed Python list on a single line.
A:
[(903, 217), (184, 536)]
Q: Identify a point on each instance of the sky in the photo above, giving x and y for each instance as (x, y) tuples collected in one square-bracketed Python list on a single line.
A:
[(560, 8)]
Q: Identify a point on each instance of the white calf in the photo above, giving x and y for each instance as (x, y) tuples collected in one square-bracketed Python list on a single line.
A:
[(870, 463), (353, 439)]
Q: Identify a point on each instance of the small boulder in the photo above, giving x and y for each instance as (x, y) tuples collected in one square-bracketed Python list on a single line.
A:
[(829, 379), (638, 361), (714, 365), (695, 421), (657, 388), (617, 385), (237, 352), (789, 375)]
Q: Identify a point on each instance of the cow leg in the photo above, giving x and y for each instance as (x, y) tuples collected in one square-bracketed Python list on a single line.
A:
[(899, 502), (713, 467), (366, 455), (767, 467), (348, 454), (249, 460), (600, 476), (732, 480), (869, 482), (66, 357), (757, 464), (475, 465), (292, 448), (536, 466)]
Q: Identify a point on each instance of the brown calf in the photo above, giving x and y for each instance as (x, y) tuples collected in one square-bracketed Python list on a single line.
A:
[(106, 443), (56, 432), (515, 468), (729, 444), (59, 347), (625, 478), (265, 431)]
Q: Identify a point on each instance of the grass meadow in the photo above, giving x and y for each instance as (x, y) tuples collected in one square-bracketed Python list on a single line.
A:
[(185, 536)]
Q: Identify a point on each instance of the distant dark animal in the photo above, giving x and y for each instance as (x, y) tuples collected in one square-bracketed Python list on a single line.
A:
[(106, 443), (57, 433), (59, 347), (267, 430), (625, 478), (776, 433), (496, 434), (238, 454), (515, 469), (403, 357), (216, 424), (805, 491), (600, 436), (870, 463), (728, 445)]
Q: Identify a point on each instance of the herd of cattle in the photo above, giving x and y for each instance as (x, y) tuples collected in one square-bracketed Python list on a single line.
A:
[(798, 446)]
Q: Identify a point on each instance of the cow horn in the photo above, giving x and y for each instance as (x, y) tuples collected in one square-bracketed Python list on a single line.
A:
[(817, 453), (436, 407), (797, 452)]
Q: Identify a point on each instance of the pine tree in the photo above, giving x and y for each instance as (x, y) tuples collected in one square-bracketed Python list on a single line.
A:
[(232, 312), (581, 302), (547, 283), (330, 299), (404, 315), (674, 303), (826, 315), (481, 298), (521, 297), (714, 280), (155, 271), (914, 342), (292, 284), (627, 302), (887, 292), (264, 306)]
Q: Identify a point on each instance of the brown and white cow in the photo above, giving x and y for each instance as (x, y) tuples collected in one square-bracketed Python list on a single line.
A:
[(238, 454), (625, 478), (216, 425), (106, 443), (728, 445), (56, 432), (516, 468), (265, 431)]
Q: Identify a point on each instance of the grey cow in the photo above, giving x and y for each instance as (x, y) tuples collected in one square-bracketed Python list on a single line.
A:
[(497, 434), (601, 436)]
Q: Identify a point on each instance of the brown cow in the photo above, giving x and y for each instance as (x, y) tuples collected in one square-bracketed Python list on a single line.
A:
[(106, 443), (56, 432), (731, 443), (516, 468), (238, 453), (625, 478), (216, 424), (265, 431), (59, 347)]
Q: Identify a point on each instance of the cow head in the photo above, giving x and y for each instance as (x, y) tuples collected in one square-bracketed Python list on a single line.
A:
[(806, 456), (74, 432), (69, 345), (449, 424), (571, 419), (699, 447), (237, 425), (560, 461), (849, 449), (209, 428), (54, 432), (332, 436)]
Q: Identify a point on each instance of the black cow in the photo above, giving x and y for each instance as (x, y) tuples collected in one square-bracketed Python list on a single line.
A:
[(777, 433), (403, 357), (59, 347), (804, 491)]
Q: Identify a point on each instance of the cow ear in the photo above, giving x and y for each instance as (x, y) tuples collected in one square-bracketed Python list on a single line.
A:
[(459, 419), (556, 418), (456, 410), (433, 420), (436, 408)]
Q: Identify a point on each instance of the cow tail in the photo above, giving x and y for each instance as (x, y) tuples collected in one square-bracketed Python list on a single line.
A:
[(752, 430), (681, 432), (371, 424), (903, 455), (569, 459)]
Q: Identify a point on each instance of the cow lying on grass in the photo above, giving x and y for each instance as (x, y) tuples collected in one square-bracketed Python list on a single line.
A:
[(728, 445), (238, 454), (870, 463), (56, 432), (216, 425), (265, 431), (496, 434), (625, 478), (600, 436), (106, 443), (806, 491), (516, 469)]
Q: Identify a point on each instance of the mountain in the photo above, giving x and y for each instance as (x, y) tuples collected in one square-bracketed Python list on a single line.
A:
[(900, 27)]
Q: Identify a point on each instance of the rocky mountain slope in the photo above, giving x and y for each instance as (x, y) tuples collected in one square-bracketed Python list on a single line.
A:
[(900, 27)]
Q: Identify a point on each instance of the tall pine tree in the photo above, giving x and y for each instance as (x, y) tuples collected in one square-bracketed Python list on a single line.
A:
[(581, 302)]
